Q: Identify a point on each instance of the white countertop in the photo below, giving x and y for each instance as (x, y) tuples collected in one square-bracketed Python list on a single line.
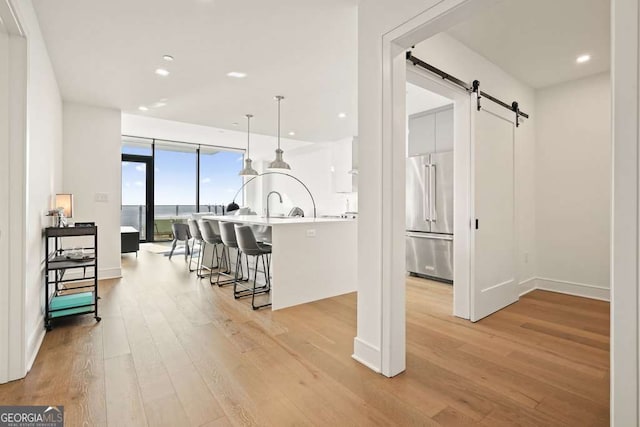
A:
[(259, 220)]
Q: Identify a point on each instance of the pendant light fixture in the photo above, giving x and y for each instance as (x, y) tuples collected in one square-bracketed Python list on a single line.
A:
[(248, 169), (279, 163)]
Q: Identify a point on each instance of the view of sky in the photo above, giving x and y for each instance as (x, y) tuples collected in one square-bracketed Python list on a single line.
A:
[(175, 177)]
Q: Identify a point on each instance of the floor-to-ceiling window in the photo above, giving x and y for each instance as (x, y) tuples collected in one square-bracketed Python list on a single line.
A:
[(164, 182), (219, 179), (174, 189)]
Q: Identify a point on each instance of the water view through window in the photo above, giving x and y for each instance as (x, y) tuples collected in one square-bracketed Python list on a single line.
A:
[(171, 190), (219, 180)]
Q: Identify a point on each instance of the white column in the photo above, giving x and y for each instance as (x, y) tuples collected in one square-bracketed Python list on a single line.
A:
[(625, 219)]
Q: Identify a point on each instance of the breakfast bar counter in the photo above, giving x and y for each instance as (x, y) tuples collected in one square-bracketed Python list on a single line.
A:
[(312, 258)]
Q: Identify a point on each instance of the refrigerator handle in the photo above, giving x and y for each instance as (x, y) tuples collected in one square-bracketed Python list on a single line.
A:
[(426, 198), (432, 192)]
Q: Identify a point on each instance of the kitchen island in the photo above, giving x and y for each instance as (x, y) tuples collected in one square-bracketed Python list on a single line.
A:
[(312, 258)]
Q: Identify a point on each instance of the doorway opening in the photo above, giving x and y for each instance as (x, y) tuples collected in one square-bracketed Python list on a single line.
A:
[(517, 175), (429, 190), (507, 262)]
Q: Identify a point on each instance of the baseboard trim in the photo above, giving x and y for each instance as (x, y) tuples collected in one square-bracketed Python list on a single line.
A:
[(565, 287), (573, 288), (527, 286), (367, 354), (110, 273), (34, 343), (103, 274)]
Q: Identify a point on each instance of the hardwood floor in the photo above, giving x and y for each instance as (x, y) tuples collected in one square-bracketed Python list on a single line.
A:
[(172, 350)]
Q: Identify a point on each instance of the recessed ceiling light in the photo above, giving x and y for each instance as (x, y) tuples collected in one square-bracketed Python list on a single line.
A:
[(143, 108), (583, 58), (162, 72), (237, 74), (342, 115), (158, 104), (168, 58), (234, 124), (292, 133)]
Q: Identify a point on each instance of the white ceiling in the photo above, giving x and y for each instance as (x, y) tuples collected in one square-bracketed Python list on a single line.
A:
[(538, 41), (105, 52), (419, 100)]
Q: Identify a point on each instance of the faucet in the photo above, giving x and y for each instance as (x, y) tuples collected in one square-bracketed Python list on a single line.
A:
[(268, 196)]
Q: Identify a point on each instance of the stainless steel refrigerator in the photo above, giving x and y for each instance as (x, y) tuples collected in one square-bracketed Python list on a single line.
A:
[(430, 216)]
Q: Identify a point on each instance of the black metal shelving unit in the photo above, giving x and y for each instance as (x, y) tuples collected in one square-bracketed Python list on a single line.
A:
[(76, 295)]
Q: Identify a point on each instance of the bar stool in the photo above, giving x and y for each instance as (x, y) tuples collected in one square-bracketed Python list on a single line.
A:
[(180, 234), (249, 246), (194, 230), (209, 237), (228, 235)]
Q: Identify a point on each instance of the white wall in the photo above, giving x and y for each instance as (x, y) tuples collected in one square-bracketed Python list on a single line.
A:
[(4, 200), (573, 186), (44, 170), (625, 255), (262, 146), (92, 163), (312, 164)]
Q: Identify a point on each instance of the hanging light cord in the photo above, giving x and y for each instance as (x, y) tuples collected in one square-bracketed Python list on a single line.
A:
[(248, 133), (279, 99)]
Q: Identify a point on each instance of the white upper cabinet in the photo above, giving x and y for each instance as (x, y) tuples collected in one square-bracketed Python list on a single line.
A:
[(345, 166), (431, 132), (422, 134), (444, 130)]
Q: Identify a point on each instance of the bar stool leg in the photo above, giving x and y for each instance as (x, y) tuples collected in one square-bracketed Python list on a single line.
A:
[(203, 245), (225, 257), (219, 267), (238, 294), (267, 281), (193, 248), (246, 292)]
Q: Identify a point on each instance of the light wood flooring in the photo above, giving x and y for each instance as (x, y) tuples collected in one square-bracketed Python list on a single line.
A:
[(173, 351)]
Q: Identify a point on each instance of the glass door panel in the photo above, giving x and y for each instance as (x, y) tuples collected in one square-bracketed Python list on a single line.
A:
[(174, 186), (135, 194), (219, 179)]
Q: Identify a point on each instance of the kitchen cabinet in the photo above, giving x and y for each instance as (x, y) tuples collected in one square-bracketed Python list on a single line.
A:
[(422, 134), (430, 132), (444, 130), (344, 159)]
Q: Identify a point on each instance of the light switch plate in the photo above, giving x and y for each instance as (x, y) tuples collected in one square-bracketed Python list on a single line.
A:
[(311, 232), (102, 197)]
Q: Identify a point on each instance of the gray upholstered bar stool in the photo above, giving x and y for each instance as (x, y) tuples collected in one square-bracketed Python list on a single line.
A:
[(209, 237), (194, 230), (180, 234), (249, 246), (228, 234)]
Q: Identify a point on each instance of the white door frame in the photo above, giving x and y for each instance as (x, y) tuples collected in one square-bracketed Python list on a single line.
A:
[(4, 195), (462, 191), (437, 18), (12, 322), (625, 343), (625, 253)]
